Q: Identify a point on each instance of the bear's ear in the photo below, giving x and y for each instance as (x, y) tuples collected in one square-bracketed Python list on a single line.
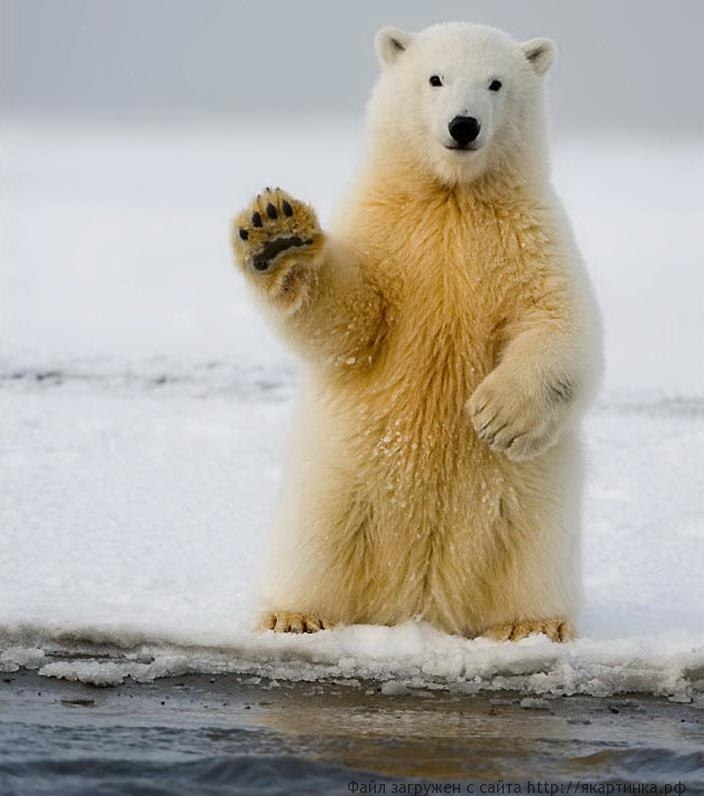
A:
[(390, 43), (540, 54)]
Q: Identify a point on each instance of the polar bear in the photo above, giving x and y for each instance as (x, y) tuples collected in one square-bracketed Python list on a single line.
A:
[(451, 345)]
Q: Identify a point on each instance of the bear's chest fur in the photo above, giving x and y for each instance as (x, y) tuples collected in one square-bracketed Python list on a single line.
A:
[(452, 268)]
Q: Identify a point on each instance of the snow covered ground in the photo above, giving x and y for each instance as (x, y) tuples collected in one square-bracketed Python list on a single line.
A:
[(144, 405)]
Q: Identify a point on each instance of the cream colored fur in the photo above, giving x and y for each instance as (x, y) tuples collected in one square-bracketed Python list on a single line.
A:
[(451, 346)]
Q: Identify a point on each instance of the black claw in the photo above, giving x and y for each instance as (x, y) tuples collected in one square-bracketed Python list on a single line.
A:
[(561, 391), (243, 233), (268, 189), (256, 220), (271, 211), (288, 210)]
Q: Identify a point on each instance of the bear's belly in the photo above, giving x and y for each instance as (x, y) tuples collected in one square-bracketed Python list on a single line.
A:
[(429, 489), (407, 414), (434, 500)]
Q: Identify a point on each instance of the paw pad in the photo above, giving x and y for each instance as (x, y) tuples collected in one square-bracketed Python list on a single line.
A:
[(273, 224)]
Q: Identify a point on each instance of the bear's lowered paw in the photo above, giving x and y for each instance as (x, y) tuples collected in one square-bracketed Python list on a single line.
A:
[(274, 225), (554, 629), (514, 417), (292, 622)]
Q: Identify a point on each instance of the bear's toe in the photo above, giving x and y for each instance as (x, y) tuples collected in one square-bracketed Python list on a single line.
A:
[(292, 622), (554, 629)]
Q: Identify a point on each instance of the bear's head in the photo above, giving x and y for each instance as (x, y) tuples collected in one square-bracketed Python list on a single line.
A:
[(460, 100)]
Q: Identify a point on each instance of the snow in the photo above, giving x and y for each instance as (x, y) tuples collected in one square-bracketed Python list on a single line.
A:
[(145, 405)]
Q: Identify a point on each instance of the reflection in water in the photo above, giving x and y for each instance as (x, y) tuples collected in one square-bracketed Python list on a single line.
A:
[(442, 736)]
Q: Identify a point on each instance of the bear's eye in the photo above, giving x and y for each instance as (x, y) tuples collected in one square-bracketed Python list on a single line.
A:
[(435, 80), (495, 85)]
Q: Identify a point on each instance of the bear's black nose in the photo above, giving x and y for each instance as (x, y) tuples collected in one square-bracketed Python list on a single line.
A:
[(464, 129)]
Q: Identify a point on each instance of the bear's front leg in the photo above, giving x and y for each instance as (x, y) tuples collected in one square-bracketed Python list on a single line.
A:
[(278, 243), (325, 304), (520, 414)]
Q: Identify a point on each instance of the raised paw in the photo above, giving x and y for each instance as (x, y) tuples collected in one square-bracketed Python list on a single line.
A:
[(554, 629), (514, 418), (292, 622), (273, 226)]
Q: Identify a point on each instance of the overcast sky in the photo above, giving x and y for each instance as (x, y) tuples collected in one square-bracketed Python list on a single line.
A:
[(633, 64)]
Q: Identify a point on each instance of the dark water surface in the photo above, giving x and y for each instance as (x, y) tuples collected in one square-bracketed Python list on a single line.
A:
[(230, 735)]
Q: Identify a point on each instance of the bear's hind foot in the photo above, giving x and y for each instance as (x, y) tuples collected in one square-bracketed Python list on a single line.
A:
[(292, 622), (554, 629)]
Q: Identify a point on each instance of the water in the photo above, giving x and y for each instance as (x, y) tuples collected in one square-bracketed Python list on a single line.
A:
[(200, 735)]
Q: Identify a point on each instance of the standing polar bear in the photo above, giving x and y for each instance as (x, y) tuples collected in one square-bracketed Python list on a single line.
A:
[(451, 342)]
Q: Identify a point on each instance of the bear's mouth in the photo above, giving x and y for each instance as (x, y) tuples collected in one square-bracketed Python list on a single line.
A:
[(463, 147)]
